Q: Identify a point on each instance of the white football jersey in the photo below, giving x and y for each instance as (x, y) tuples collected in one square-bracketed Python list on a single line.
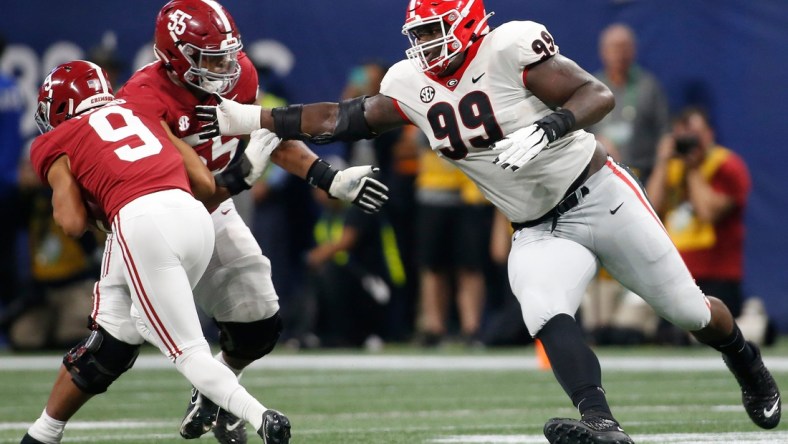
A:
[(485, 100)]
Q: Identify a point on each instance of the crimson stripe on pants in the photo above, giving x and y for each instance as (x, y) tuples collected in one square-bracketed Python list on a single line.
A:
[(147, 306)]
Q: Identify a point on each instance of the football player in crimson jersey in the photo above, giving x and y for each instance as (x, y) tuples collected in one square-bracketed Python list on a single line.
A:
[(145, 181), (200, 55), (509, 110)]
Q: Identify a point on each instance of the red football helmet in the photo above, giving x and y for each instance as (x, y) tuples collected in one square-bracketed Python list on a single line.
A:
[(199, 42), (461, 22), (70, 89)]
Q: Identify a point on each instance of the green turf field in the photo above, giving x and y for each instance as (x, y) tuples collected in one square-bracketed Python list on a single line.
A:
[(660, 395)]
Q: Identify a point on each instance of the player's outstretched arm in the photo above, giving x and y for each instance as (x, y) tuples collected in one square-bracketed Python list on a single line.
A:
[(354, 119), (68, 209), (352, 184)]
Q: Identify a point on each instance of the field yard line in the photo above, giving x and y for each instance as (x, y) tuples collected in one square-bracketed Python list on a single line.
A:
[(410, 362), (665, 438)]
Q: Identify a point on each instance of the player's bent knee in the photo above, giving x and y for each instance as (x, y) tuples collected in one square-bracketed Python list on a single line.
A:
[(690, 317), (250, 340), (98, 360)]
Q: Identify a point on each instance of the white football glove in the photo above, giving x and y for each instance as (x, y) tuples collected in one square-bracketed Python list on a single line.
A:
[(258, 152), (229, 118), (354, 185), (519, 147), (244, 172)]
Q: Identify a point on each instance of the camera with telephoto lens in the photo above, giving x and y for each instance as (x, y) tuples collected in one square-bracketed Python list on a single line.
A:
[(685, 144)]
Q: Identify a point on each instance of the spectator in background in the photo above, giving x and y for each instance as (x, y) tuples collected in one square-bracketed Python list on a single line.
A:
[(282, 212), (11, 108), (631, 133), (700, 190), (397, 154), (53, 316), (351, 270), (632, 130), (453, 228), (105, 55), (50, 311)]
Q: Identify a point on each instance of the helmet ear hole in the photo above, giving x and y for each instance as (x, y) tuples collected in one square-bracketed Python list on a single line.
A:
[(61, 108)]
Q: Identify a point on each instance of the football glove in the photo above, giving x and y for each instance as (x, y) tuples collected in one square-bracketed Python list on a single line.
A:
[(524, 144), (244, 172), (229, 118), (519, 147), (354, 185)]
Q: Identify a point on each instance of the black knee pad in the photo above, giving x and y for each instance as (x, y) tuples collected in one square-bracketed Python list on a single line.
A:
[(99, 360), (250, 340)]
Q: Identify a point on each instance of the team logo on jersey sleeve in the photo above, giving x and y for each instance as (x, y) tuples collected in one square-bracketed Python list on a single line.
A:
[(427, 94), (183, 123)]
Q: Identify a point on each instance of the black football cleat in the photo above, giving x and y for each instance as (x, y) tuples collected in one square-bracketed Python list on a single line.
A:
[(200, 416), (275, 428), (759, 393), (27, 439), (589, 430), (229, 429)]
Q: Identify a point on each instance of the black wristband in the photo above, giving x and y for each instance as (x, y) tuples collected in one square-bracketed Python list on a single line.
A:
[(321, 174), (287, 121), (557, 124)]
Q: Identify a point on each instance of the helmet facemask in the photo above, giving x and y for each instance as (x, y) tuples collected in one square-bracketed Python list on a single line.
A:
[(42, 116), (450, 46), (212, 71)]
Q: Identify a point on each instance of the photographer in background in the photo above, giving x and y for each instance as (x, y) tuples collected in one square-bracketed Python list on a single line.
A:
[(699, 189)]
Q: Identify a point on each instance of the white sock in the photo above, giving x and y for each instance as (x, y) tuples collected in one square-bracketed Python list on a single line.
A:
[(218, 383), (49, 430), (220, 357), (241, 401)]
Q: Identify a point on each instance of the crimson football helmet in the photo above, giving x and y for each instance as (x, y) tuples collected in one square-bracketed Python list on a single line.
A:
[(461, 23), (199, 42), (70, 89)]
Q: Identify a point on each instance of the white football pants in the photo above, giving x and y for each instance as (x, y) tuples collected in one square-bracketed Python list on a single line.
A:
[(613, 226)]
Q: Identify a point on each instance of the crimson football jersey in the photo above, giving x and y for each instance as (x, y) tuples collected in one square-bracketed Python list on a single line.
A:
[(117, 152), (179, 102)]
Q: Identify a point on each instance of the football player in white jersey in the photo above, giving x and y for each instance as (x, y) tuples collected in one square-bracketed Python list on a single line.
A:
[(509, 110)]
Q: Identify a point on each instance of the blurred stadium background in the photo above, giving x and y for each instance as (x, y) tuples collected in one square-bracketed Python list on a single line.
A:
[(728, 55)]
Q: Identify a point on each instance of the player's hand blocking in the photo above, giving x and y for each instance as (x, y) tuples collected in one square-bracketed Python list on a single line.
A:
[(519, 147), (258, 152), (229, 118), (243, 173), (355, 185)]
